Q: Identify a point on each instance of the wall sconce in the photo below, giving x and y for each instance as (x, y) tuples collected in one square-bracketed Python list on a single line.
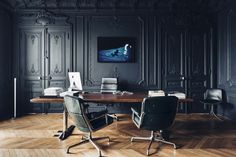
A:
[(44, 18)]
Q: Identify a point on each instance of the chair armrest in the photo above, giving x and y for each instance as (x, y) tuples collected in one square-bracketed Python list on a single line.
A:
[(86, 108), (136, 117), (135, 111)]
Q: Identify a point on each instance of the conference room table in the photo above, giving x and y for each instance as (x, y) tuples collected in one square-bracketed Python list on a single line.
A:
[(102, 98)]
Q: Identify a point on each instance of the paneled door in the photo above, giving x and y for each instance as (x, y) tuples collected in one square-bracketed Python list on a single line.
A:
[(31, 67), (58, 60), (45, 55), (174, 59), (199, 66), (186, 63), (57, 56)]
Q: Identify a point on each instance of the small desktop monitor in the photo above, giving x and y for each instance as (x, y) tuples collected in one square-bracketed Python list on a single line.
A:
[(75, 81)]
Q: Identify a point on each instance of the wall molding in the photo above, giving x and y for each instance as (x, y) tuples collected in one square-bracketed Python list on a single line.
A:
[(212, 5), (225, 61), (90, 38)]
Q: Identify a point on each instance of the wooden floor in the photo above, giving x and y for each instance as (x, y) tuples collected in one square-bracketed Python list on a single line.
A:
[(196, 134)]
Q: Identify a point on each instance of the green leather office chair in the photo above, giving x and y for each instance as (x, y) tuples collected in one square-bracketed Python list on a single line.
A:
[(86, 122), (157, 114)]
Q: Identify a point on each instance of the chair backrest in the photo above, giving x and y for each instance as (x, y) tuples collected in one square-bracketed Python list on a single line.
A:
[(75, 108), (158, 112), (213, 94), (109, 85)]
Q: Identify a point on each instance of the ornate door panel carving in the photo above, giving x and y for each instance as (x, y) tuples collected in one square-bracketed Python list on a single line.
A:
[(174, 60), (33, 54), (58, 43), (58, 61), (31, 67)]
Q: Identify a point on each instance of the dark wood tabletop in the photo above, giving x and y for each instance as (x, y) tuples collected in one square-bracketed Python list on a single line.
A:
[(103, 98)]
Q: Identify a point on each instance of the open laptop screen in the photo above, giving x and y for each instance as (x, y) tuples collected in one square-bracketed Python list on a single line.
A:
[(75, 81)]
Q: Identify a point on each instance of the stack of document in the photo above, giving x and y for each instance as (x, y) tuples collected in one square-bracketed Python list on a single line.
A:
[(71, 93), (153, 93), (52, 91), (178, 95), (109, 85), (108, 88)]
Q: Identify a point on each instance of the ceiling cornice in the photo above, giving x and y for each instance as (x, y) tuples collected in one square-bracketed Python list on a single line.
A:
[(195, 5)]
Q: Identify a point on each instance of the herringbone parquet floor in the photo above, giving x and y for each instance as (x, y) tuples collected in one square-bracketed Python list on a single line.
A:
[(196, 134)]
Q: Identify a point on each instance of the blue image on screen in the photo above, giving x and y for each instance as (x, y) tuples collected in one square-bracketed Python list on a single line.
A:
[(120, 54), (116, 49)]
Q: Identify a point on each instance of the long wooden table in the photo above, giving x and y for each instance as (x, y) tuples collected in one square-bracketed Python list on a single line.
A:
[(101, 98)]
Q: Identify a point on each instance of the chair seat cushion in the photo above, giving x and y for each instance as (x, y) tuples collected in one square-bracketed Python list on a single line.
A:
[(207, 101), (93, 115), (101, 122)]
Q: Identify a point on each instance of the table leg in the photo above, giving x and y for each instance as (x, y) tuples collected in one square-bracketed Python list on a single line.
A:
[(67, 131), (65, 119)]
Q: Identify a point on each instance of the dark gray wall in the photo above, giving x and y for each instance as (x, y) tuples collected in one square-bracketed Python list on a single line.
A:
[(6, 82), (153, 32), (227, 58), (129, 74), (148, 27), (164, 40)]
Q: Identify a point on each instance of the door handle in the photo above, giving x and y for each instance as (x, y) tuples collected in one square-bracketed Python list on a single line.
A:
[(45, 77), (182, 78)]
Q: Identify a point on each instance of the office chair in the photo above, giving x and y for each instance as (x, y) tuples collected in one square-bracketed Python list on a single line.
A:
[(86, 122), (212, 97), (157, 115), (109, 85)]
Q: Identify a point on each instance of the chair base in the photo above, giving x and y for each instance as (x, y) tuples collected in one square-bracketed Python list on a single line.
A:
[(90, 139), (152, 138), (214, 114)]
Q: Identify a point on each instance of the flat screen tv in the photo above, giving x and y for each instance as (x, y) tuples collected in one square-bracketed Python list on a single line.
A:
[(116, 49)]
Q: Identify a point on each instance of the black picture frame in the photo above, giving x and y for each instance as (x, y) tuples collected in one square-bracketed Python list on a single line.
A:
[(116, 49)]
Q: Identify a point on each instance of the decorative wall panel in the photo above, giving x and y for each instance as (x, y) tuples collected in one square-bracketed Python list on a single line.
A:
[(58, 56), (6, 79), (226, 60), (56, 53), (165, 52), (231, 55), (31, 50), (112, 26)]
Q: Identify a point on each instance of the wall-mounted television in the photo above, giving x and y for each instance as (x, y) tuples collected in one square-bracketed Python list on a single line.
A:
[(116, 49)]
